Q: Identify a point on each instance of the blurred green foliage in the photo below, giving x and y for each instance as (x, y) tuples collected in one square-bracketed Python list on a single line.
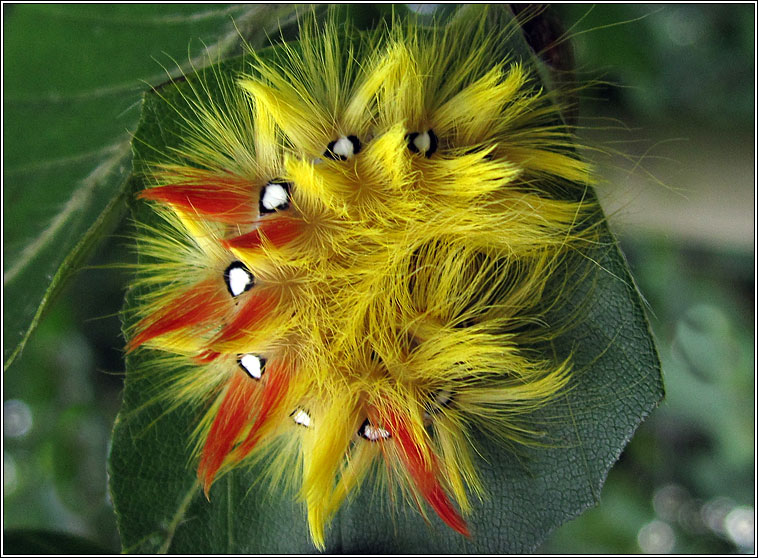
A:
[(685, 483), (668, 63)]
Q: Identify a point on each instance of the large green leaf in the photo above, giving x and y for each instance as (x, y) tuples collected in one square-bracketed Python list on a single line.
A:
[(73, 78), (617, 383)]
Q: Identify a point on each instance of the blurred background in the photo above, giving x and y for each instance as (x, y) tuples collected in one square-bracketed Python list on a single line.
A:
[(674, 109)]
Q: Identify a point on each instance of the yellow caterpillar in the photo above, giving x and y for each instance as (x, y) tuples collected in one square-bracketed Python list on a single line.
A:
[(353, 271)]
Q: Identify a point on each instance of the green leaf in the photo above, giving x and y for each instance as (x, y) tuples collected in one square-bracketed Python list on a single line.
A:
[(74, 75), (160, 507), (36, 542)]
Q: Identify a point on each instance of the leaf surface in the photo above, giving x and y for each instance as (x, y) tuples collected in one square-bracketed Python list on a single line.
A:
[(73, 79)]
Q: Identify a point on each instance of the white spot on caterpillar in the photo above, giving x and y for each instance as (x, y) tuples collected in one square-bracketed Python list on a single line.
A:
[(302, 418), (423, 142), (253, 365), (274, 197), (238, 278), (372, 433), (343, 148), (441, 400)]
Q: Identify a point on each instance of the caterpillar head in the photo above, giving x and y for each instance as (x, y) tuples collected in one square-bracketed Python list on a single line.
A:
[(361, 237)]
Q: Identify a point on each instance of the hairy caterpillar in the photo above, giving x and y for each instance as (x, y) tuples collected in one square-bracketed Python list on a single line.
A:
[(360, 236)]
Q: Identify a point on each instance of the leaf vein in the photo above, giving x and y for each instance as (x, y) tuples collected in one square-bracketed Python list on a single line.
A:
[(75, 203), (178, 516)]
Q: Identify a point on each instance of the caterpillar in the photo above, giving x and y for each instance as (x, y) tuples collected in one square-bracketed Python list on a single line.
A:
[(361, 239)]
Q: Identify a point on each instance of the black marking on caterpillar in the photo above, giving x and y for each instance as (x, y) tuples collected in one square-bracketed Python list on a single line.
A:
[(423, 142), (253, 365), (373, 433), (238, 278), (301, 417), (441, 399), (275, 196), (343, 148)]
